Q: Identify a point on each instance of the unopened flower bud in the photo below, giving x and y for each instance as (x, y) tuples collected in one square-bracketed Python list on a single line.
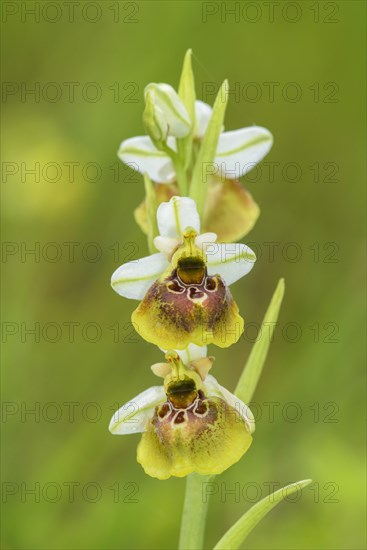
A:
[(167, 110)]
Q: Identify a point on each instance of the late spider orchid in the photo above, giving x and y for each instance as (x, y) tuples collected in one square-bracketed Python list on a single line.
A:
[(184, 287), (190, 424), (237, 153)]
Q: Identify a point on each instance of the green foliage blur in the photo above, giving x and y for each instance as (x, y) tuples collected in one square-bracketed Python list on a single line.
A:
[(295, 68)]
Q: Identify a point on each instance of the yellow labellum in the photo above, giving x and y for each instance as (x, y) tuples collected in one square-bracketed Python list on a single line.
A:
[(207, 438)]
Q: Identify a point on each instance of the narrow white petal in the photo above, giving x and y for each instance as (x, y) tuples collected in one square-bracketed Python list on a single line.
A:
[(229, 260), (192, 353), (134, 415), (161, 369), (172, 108), (174, 216), (133, 279), (141, 155), (203, 112), (214, 388), (240, 150), (166, 245), (205, 239)]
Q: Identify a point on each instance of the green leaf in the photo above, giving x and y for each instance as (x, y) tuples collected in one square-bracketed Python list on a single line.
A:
[(250, 376), (186, 91), (151, 205), (235, 536), (206, 155)]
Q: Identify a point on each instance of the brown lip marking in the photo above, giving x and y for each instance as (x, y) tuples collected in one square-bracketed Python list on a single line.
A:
[(200, 408), (175, 287), (173, 314), (194, 290), (179, 418)]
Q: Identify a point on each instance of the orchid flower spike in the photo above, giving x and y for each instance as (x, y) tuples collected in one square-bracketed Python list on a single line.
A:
[(184, 288), (190, 424)]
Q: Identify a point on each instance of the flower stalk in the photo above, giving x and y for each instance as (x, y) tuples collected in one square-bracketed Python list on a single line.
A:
[(151, 200), (194, 513), (182, 180)]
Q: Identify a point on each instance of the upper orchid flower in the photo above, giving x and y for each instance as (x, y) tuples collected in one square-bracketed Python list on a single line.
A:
[(184, 287), (190, 424), (165, 118), (237, 153)]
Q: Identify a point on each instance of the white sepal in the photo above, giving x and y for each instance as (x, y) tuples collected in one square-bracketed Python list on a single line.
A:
[(240, 150), (134, 415), (174, 216), (133, 279), (141, 155), (229, 260)]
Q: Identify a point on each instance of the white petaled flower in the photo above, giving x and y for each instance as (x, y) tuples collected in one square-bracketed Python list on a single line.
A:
[(189, 424), (237, 153), (184, 287)]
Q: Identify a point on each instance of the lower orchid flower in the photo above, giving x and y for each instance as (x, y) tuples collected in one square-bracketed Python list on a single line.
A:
[(184, 288), (190, 424)]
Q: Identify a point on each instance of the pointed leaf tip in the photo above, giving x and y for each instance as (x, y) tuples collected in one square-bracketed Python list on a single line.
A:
[(186, 91), (236, 535)]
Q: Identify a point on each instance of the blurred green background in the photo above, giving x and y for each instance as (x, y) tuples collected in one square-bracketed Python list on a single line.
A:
[(313, 54)]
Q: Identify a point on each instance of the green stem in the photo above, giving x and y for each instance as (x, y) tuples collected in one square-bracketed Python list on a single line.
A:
[(194, 513), (179, 165), (151, 206), (181, 178)]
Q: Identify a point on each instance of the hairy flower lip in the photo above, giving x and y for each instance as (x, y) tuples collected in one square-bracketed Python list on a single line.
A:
[(174, 318)]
